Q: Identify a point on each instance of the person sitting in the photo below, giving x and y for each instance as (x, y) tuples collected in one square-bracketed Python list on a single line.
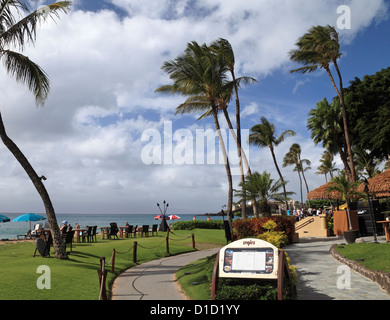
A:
[(64, 227)]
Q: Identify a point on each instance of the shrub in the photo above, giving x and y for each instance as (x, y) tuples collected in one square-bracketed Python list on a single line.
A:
[(198, 224), (277, 238), (246, 228)]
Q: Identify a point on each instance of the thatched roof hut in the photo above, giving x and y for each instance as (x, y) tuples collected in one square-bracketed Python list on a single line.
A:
[(323, 193), (378, 185)]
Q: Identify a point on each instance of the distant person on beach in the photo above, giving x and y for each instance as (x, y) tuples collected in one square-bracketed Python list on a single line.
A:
[(194, 218), (208, 219)]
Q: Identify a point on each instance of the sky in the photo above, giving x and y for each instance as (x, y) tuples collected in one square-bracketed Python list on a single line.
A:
[(97, 138)]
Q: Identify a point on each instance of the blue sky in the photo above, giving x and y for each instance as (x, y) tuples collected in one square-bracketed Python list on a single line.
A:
[(104, 60)]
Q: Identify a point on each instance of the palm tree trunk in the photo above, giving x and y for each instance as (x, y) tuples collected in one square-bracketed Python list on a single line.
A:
[(345, 122), (300, 184), (242, 156), (340, 94), (280, 175), (59, 247), (239, 148), (227, 167)]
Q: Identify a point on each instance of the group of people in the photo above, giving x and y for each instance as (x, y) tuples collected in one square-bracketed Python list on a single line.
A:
[(303, 213)]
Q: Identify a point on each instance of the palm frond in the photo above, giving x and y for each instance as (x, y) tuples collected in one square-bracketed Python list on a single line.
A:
[(27, 72), (24, 31)]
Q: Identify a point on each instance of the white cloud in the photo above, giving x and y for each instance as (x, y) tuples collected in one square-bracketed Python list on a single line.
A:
[(104, 69)]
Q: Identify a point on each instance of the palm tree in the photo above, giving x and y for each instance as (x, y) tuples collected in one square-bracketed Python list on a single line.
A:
[(200, 75), (223, 49), (327, 165), (365, 162), (318, 48), (19, 32), (262, 187), (263, 135), (292, 158), (325, 124), (347, 189)]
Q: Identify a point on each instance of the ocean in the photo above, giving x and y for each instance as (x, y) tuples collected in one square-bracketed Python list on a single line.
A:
[(10, 230)]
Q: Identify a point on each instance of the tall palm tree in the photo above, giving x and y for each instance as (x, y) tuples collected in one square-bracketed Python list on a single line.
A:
[(263, 135), (223, 49), (14, 32), (200, 75), (327, 165), (325, 124), (292, 158), (318, 48), (262, 189)]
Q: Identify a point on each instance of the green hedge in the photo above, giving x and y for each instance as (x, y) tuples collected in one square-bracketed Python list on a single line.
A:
[(198, 224)]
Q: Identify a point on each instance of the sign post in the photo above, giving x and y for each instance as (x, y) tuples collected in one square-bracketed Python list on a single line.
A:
[(250, 259)]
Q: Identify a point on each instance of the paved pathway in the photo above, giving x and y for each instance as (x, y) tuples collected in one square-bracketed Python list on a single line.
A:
[(155, 280), (317, 271), (318, 274)]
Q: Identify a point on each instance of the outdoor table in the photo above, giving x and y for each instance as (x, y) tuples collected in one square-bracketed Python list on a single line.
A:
[(104, 231), (77, 233), (386, 227), (122, 231)]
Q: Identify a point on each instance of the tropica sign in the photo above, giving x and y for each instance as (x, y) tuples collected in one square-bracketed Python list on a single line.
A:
[(249, 258)]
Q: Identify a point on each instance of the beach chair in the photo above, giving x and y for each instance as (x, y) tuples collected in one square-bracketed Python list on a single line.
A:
[(145, 230), (128, 231), (93, 233), (87, 234), (134, 232), (113, 230), (69, 239), (154, 229)]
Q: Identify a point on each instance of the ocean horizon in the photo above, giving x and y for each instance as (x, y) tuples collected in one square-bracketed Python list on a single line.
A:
[(10, 230)]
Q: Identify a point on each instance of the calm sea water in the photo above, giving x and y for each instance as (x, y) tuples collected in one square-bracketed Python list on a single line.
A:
[(10, 230)]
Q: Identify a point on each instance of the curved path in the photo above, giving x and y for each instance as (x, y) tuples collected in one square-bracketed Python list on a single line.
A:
[(155, 280), (322, 277)]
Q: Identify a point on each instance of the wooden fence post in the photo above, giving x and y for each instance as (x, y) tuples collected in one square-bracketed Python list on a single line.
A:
[(135, 252), (102, 273), (167, 241), (113, 261), (193, 241), (214, 282)]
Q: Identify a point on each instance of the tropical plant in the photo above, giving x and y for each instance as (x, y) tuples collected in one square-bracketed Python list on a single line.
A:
[(347, 190), (200, 75), (365, 163), (263, 135), (293, 157), (325, 124), (318, 48), (223, 49), (263, 189), (17, 33), (327, 165)]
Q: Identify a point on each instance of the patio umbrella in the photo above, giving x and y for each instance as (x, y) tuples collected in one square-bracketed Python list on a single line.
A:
[(4, 218), (160, 217), (173, 217), (28, 217)]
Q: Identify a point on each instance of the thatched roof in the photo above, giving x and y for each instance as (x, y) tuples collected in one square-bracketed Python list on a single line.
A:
[(322, 193), (378, 185)]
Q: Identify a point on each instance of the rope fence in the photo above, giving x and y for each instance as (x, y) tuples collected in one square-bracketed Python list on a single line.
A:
[(102, 272)]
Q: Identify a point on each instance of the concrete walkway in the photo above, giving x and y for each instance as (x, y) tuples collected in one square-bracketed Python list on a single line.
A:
[(155, 280), (322, 277)]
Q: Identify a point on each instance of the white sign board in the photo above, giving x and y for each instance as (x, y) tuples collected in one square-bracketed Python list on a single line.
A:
[(249, 258)]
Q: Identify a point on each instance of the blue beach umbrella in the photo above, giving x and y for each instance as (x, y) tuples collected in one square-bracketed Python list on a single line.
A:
[(4, 218), (28, 217)]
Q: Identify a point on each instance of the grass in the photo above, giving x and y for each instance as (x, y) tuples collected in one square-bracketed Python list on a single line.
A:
[(372, 256), (194, 280), (76, 278)]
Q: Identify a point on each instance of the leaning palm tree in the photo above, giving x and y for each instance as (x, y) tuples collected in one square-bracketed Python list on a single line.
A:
[(318, 48), (16, 33), (224, 51), (263, 135), (200, 75), (292, 158)]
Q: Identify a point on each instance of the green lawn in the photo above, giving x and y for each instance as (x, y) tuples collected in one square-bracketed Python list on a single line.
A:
[(77, 278), (372, 256)]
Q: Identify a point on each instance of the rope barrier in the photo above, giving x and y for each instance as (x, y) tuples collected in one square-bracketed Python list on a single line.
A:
[(103, 272)]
